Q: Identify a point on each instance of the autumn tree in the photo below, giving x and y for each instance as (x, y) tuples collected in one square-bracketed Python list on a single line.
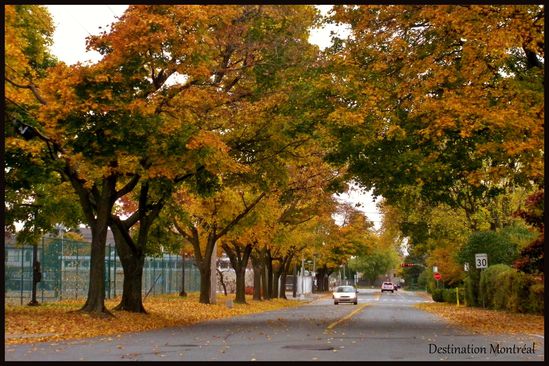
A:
[(447, 99), (253, 232), (34, 195), (531, 256), (92, 123)]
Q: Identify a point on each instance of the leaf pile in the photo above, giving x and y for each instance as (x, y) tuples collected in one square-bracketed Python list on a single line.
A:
[(487, 321), (62, 321)]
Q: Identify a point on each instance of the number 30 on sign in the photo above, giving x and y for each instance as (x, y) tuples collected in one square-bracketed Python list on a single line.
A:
[(481, 260)]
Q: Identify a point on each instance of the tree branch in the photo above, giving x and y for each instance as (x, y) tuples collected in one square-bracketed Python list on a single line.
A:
[(240, 216), (32, 88)]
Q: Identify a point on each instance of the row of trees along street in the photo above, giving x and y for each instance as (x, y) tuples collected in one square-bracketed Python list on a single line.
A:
[(207, 127)]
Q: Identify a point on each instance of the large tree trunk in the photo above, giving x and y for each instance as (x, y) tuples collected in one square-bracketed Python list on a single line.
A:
[(95, 303), (205, 283), (322, 279), (240, 297), (132, 252), (256, 264), (268, 275), (276, 277), (239, 261), (285, 269), (132, 264), (204, 265), (132, 299), (104, 201)]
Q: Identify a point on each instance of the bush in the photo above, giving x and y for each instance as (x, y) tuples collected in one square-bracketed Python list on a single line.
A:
[(437, 295), (517, 292), (449, 295), (535, 299), (471, 290), (426, 280), (489, 283)]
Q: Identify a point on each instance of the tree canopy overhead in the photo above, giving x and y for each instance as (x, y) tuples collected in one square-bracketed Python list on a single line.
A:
[(434, 96)]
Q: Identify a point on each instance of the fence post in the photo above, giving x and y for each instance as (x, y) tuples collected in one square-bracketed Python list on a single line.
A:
[(163, 276), (22, 271), (169, 273), (153, 276), (115, 273), (457, 295)]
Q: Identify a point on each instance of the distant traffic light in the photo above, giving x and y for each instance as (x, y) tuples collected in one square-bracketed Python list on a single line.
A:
[(406, 264)]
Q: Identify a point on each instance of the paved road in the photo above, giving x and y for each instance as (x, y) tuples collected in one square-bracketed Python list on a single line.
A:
[(382, 327)]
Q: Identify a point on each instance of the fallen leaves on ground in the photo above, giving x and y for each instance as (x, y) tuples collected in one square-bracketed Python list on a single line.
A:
[(61, 321), (487, 321)]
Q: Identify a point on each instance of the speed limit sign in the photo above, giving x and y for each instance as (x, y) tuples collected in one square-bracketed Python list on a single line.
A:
[(481, 260)]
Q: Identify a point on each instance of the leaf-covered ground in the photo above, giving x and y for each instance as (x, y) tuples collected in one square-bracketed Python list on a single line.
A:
[(61, 321), (485, 321)]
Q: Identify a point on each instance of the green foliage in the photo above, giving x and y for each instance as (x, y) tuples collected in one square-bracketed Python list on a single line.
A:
[(513, 291), (499, 247), (471, 288), (450, 296), (425, 280), (536, 299), (505, 288), (437, 295), (489, 284), (500, 250), (374, 264)]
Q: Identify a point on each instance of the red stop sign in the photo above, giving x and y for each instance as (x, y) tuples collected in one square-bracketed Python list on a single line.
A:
[(437, 276)]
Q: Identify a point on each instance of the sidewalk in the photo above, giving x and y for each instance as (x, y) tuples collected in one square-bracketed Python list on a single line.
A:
[(308, 296)]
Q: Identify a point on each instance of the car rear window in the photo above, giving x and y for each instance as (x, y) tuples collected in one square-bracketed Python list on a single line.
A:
[(345, 289)]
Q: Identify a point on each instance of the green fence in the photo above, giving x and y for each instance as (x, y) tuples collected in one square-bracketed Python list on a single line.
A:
[(65, 272)]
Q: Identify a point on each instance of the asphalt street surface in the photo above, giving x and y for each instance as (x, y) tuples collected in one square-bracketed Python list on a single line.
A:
[(382, 327)]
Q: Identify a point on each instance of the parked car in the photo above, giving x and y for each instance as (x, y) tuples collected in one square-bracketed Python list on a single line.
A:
[(396, 286), (345, 294), (387, 286)]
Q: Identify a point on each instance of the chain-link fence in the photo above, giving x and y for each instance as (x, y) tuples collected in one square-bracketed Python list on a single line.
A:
[(65, 266)]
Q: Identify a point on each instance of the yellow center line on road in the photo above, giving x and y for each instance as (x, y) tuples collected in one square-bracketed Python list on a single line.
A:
[(348, 316)]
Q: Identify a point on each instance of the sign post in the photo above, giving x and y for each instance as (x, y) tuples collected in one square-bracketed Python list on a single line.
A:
[(481, 262), (437, 277)]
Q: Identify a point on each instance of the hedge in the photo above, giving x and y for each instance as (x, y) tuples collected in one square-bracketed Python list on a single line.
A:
[(489, 283), (449, 295), (505, 288), (437, 295)]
